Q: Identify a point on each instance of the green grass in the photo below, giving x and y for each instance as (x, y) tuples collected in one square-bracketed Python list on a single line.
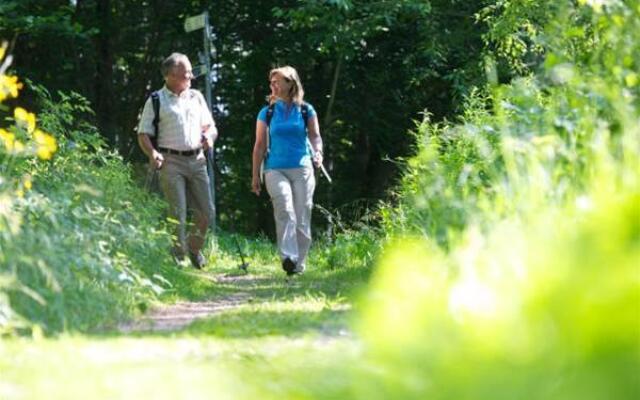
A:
[(163, 368), (249, 351)]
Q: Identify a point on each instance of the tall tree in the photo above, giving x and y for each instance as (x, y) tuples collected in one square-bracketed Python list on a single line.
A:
[(104, 91), (370, 68)]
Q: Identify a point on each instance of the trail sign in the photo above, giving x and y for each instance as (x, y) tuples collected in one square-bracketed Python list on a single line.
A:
[(194, 23), (199, 70)]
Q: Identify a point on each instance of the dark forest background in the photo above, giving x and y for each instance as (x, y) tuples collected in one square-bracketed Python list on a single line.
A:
[(370, 68)]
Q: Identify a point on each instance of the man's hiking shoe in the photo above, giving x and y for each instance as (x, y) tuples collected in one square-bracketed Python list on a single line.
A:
[(289, 266), (197, 259), (177, 256)]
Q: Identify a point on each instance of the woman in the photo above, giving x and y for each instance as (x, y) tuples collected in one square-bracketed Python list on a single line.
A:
[(288, 145)]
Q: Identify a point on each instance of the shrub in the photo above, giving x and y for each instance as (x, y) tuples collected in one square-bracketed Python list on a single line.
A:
[(80, 245), (518, 233)]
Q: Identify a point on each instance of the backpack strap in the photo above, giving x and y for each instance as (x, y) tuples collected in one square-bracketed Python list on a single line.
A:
[(155, 101), (304, 110), (270, 110)]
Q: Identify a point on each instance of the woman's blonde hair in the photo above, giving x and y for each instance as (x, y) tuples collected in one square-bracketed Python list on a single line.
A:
[(296, 92)]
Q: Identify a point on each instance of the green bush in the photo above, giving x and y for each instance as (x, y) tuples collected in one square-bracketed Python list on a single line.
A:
[(81, 244), (542, 308), (531, 142), (517, 232)]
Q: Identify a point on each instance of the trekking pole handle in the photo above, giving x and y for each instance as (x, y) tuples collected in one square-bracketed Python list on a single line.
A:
[(325, 173), (321, 166)]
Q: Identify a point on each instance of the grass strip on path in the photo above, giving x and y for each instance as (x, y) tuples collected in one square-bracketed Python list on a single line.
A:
[(228, 335)]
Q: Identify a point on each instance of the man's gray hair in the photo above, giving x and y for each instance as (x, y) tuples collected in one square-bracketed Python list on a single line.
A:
[(170, 62)]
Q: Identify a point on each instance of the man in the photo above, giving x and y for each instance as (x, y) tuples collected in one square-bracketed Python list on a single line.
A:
[(185, 129)]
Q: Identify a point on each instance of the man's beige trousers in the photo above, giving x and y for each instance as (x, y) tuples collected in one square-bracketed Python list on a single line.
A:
[(185, 184)]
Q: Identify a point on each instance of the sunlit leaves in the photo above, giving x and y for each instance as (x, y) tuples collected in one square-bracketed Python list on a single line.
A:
[(631, 79), (552, 295), (542, 274)]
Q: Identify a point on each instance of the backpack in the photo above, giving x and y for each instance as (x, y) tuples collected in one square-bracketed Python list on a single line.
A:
[(152, 183)]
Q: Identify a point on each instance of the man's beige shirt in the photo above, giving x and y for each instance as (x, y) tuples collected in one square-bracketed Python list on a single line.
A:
[(182, 119)]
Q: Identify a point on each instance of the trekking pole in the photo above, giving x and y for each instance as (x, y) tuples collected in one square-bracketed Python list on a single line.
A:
[(209, 155), (244, 266), (321, 166), (325, 173), (149, 178)]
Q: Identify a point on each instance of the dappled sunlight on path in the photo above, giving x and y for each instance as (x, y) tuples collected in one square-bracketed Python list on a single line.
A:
[(296, 304), (173, 317), (179, 315)]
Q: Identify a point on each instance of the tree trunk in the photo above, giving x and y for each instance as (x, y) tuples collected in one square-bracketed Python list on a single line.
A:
[(326, 128), (142, 81), (104, 67), (334, 84)]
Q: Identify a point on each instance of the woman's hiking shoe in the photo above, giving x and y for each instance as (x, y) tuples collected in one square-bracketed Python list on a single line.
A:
[(289, 266), (197, 259)]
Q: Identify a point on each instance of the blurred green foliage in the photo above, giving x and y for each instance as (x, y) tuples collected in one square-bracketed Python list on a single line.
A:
[(515, 267)]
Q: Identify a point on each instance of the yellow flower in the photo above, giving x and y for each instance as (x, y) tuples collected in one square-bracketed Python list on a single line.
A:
[(26, 183), (46, 144), (9, 86), (18, 146), (3, 49), (8, 139), (25, 118)]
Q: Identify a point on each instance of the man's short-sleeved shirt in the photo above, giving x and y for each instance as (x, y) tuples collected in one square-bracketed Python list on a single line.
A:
[(182, 118), (288, 145)]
